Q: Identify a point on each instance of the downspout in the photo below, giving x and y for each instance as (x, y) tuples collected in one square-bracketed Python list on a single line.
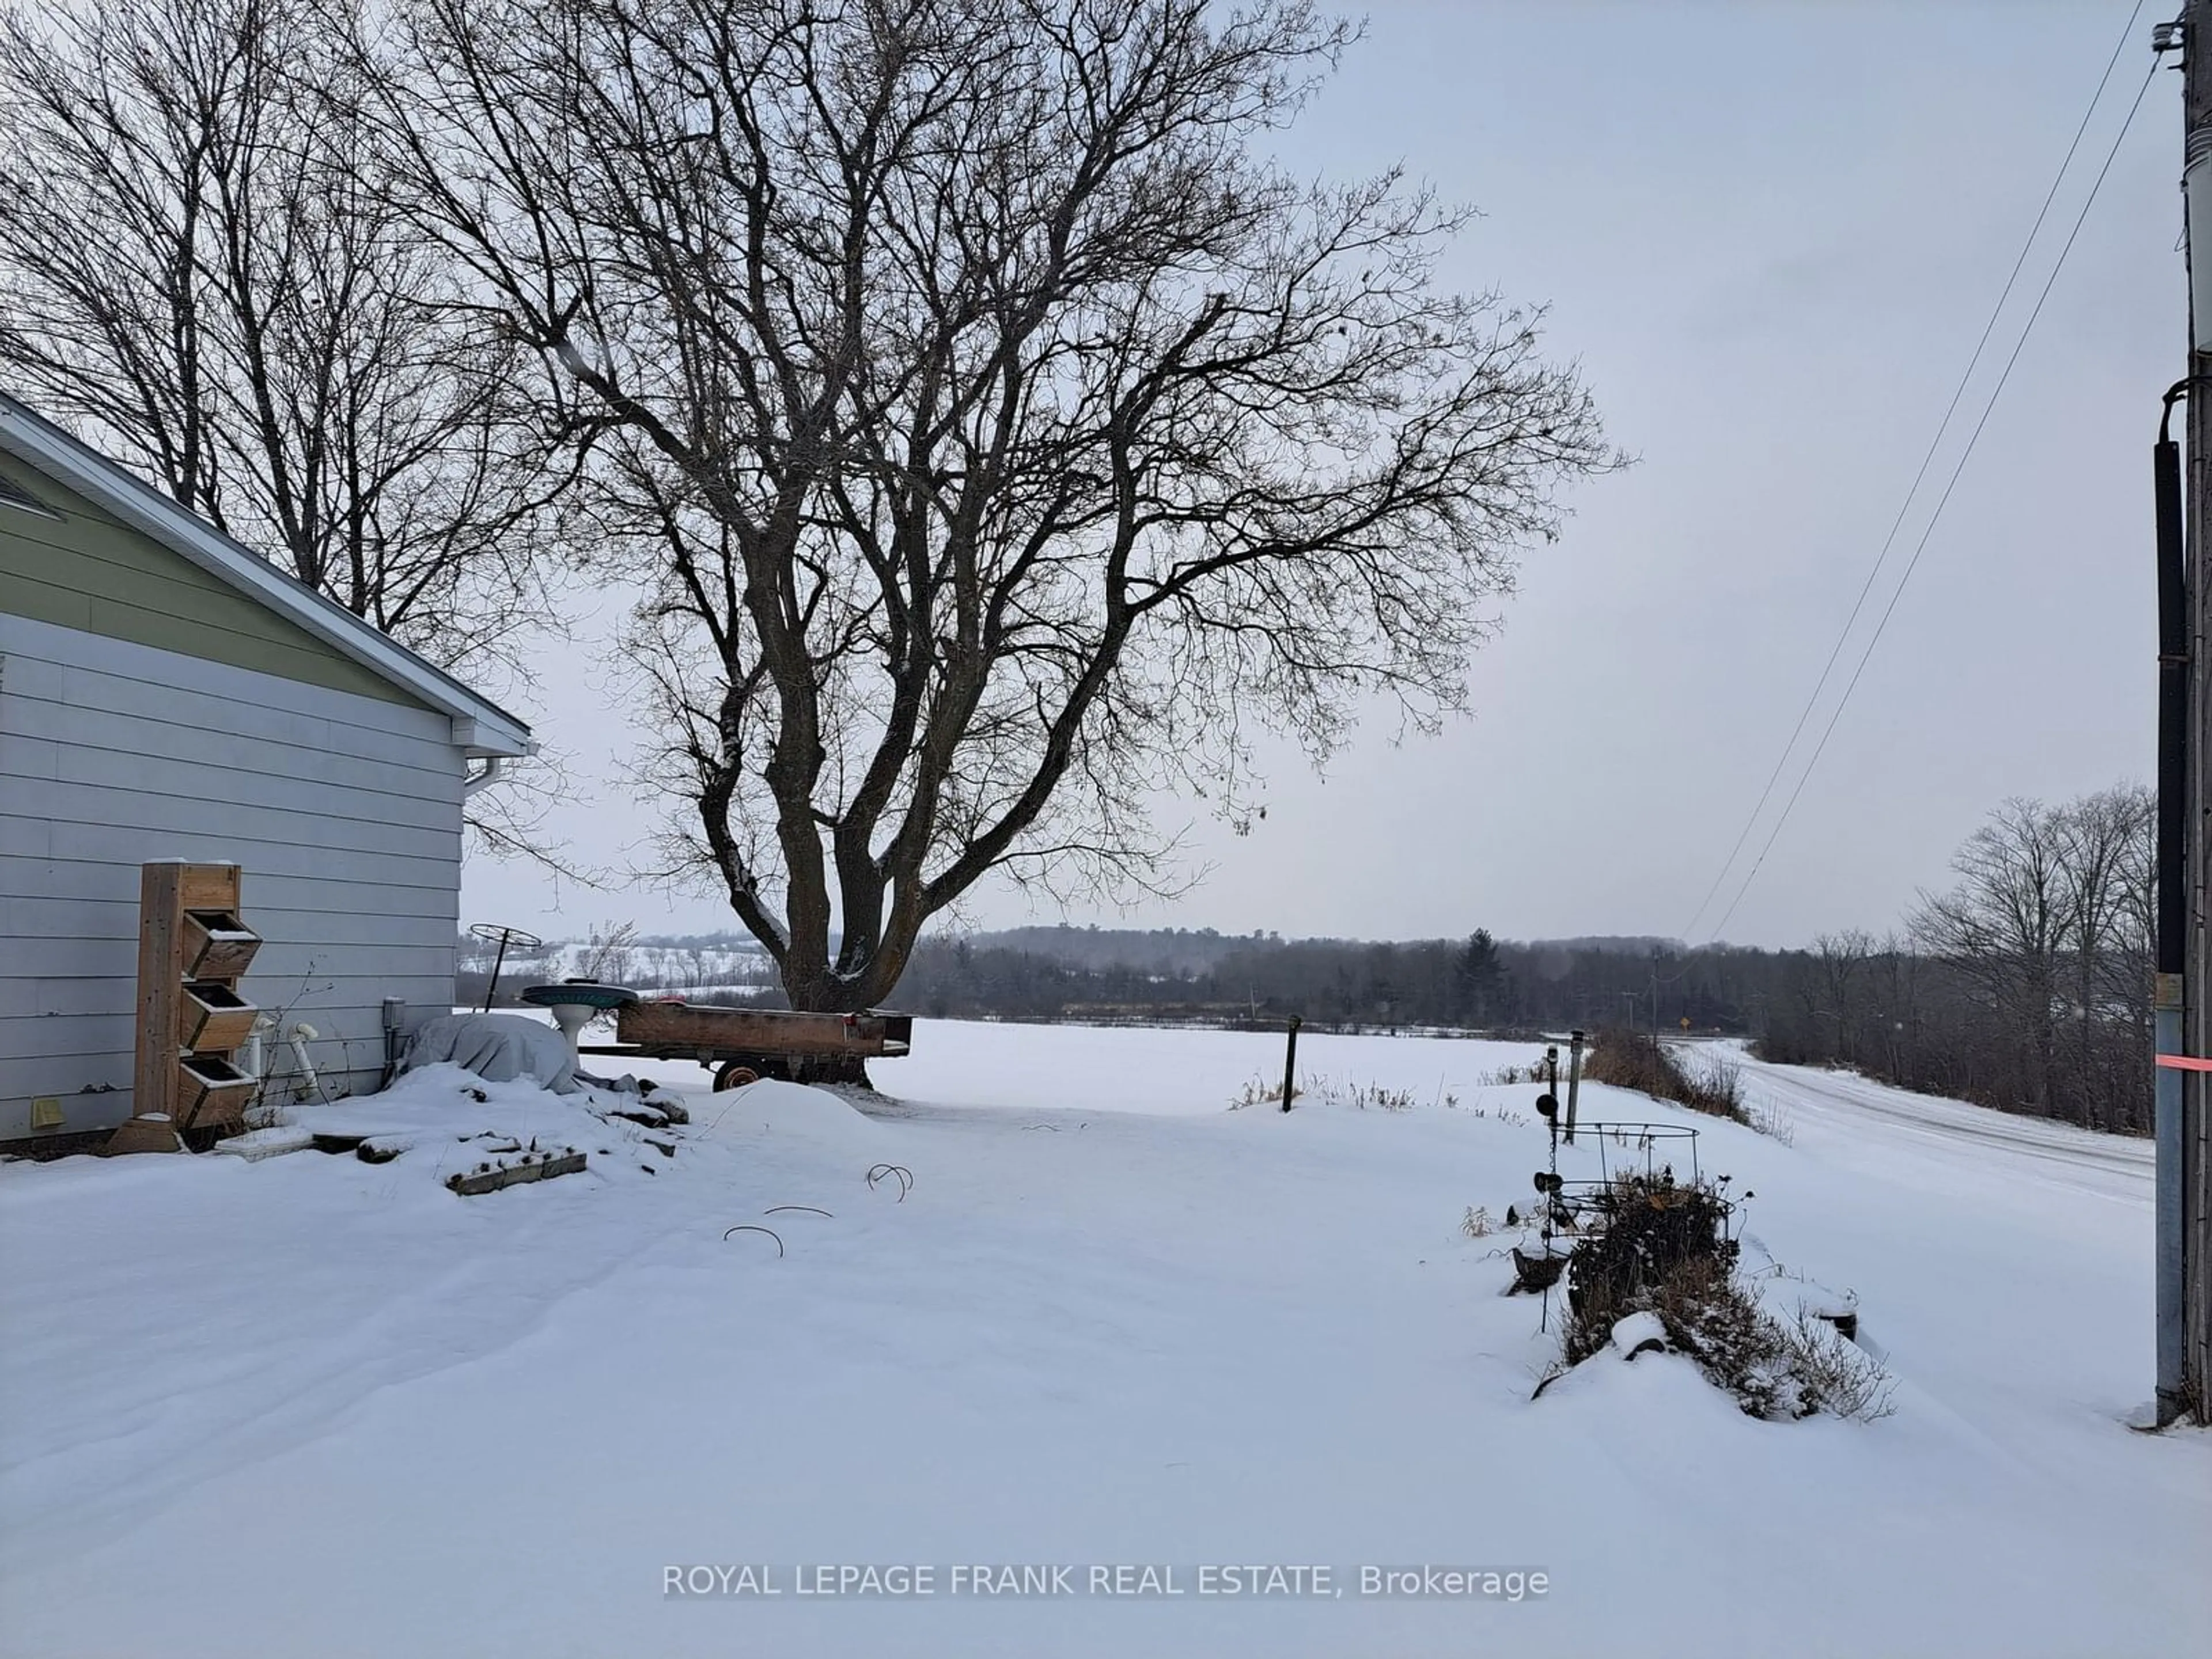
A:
[(494, 768)]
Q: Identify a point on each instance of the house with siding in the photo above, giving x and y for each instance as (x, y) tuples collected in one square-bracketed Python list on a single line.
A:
[(164, 694)]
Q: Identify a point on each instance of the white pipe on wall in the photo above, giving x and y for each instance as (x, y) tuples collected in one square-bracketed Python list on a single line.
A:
[(301, 1035), (255, 1064)]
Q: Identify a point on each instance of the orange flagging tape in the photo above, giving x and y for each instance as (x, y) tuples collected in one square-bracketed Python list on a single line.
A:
[(2184, 1063)]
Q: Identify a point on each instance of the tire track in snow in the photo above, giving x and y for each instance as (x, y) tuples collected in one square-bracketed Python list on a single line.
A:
[(1848, 1102)]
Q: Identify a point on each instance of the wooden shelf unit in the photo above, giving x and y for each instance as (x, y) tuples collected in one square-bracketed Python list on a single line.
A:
[(192, 950)]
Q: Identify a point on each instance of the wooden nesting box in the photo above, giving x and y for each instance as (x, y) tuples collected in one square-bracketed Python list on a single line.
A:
[(211, 1091), (192, 947), (212, 1018), (216, 944)]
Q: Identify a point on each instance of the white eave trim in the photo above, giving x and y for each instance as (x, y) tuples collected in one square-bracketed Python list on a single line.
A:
[(481, 729)]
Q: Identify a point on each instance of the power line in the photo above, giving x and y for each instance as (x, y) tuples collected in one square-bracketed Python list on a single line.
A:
[(1805, 713), (1942, 501)]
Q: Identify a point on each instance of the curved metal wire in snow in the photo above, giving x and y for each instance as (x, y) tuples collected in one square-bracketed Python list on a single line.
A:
[(748, 1227), (905, 1177)]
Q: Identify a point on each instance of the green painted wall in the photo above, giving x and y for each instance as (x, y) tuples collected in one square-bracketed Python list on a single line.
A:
[(88, 570)]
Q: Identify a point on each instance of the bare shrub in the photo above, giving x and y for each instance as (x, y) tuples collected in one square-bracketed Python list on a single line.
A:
[(1655, 1232), (1771, 1121), (1834, 1374), (607, 954), (1381, 1099), (1712, 1316), (1664, 1249), (1258, 1092), (1629, 1059), (1334, 1092), (1720, 1077)]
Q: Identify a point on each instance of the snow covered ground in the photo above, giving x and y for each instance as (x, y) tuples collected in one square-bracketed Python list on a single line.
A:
[(311, 1407)]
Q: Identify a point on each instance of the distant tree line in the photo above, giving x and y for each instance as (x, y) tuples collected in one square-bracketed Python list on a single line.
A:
[(1478, 983), (2025, 986), (703, 967)]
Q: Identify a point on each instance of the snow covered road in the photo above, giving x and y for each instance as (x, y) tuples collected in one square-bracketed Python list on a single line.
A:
[(1839, 1110)]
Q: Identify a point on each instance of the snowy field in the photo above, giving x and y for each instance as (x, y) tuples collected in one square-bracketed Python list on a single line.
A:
[(310, 1407)]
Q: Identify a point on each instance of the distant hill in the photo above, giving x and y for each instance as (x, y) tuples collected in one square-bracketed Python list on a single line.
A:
[(1176, 951), (1181, 950)]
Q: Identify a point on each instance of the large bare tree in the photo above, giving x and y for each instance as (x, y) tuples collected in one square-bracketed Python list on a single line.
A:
[(2049, 926), (199, 274), (2112, 856), (1003, 436)]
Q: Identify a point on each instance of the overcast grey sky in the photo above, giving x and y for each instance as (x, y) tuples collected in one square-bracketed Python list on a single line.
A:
[(1771, 234)]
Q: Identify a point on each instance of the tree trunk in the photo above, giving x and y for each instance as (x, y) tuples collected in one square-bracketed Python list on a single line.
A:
[(832, 993), (832, 1068)]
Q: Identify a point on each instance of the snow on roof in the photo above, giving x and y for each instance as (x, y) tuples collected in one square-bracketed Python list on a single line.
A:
[(481, 726)]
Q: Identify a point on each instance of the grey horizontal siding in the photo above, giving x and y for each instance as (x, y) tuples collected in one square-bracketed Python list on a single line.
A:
[(59, 760), (52, 663), (305, 719), (44, 839), (344, 812), (61, 998), (95, 1088), (109, 920), (279, 957), (74, 1036), (111, 1032), (99, 733), (305, 895), (229, 807)]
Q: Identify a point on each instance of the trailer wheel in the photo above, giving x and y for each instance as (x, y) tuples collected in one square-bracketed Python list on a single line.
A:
[(735, 1074)]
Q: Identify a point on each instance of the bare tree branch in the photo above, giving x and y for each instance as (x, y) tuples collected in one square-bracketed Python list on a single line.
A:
[(1002, 437), (200, 272)]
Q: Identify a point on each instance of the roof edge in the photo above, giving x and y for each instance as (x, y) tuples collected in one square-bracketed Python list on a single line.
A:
[(481, 728)]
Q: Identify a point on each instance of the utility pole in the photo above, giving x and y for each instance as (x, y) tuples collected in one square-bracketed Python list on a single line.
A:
[(2171, 929), (2185, 1156)]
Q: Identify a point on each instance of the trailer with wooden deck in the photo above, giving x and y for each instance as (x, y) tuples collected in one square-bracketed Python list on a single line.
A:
[(742, 1045)]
